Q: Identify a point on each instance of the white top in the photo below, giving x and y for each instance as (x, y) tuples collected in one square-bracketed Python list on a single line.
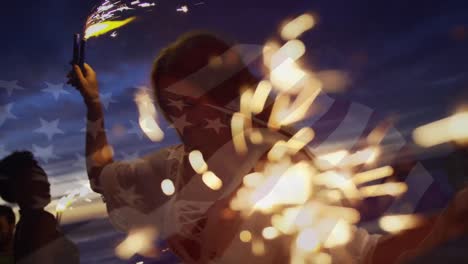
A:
[(134, 198)]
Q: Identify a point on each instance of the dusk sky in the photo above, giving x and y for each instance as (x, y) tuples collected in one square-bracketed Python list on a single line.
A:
[(408, 59)]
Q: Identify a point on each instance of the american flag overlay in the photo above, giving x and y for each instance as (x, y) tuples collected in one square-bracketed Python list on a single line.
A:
[(291, 132)]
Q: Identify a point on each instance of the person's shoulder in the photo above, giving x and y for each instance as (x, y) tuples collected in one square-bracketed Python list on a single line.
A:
[(39, 224), (45, 218), (37, 215)]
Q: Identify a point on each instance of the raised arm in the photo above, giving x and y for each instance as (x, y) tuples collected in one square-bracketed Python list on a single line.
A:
[(98, 151)]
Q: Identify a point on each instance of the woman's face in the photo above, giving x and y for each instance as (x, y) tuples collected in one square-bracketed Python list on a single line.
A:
[(196, 118)]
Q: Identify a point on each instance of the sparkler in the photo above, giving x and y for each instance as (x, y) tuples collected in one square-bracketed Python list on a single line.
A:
[(66, 201), (76, 49), (105, 18), (454, 128), (102, 28), (304, 197)]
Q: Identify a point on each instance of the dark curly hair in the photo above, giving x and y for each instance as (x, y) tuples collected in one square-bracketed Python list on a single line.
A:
[(11, 167), (194, 51)]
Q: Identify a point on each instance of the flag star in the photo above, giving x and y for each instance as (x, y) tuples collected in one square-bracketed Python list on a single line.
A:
[(106, 99), (10, 86), (5, 113), (50, 129), (129, 196), (135, 129), (180, 123), (215, 124), (44, 154), (3, 151), (55, 89), (179, 104)]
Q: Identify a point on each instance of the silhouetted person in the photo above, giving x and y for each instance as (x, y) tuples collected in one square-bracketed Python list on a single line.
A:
[(197, 83), (7, 228), (37, 237)]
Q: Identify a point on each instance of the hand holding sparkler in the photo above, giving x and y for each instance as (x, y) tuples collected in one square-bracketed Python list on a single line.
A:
[(86, 83)]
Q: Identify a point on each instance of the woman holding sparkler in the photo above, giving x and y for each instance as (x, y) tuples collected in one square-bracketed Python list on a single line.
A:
[(37, 236), (196, 83), (206, 234)]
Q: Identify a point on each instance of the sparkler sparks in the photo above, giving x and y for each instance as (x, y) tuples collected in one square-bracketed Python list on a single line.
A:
[(331, 160), (245, 236), (259, 98), (454, 128), (304, 197), (168, 187), (65, 202), (297, 26), (197, 162), (258, 247), (199, 166), (212, 181), (138, 241), (287, 75), (308, 240), (301, 139), (105, 17), (372, 175), (146, 4), (397, 223), (237, 127), (105, 27), (392, 188), (183, 9), (270, 233)]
